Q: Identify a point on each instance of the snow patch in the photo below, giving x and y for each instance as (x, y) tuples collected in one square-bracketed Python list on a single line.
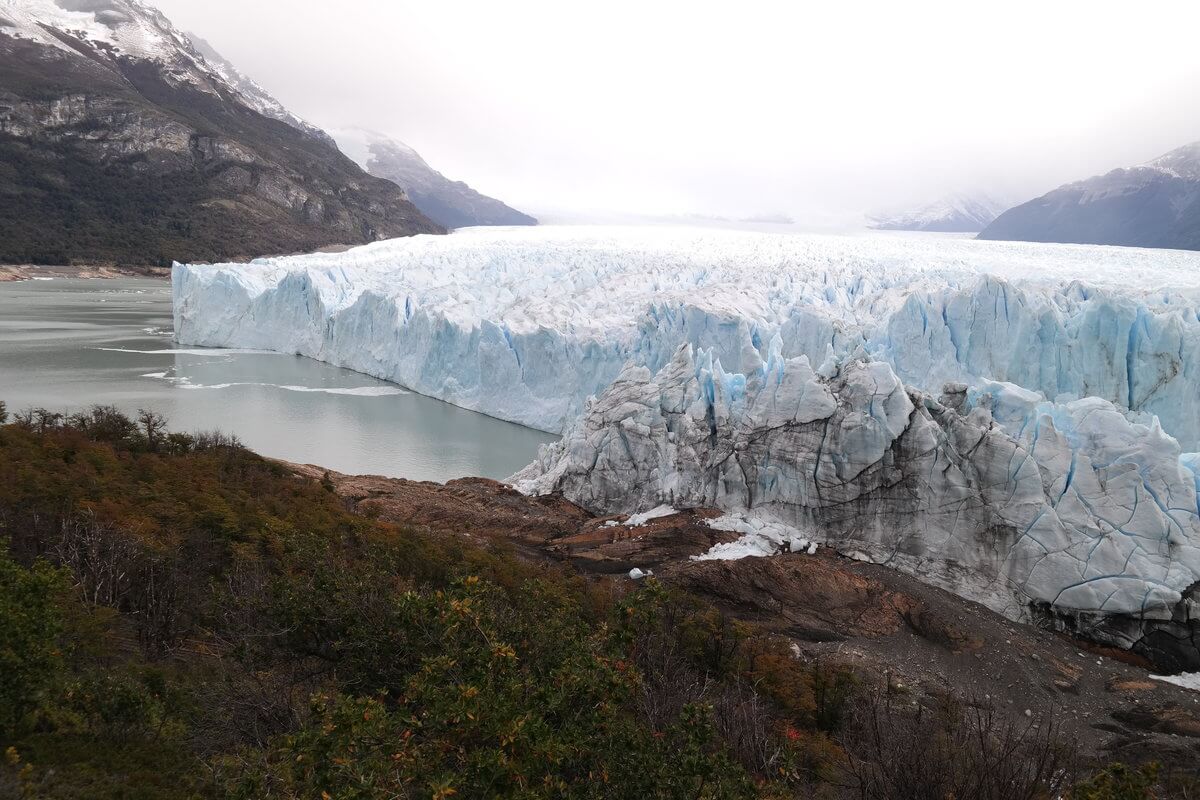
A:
[(759, 538), (1188, 680)]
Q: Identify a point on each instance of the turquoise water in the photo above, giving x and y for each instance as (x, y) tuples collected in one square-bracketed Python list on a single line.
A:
[(68, 344)]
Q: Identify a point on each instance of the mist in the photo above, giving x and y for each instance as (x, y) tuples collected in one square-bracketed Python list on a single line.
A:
[(819, 112)]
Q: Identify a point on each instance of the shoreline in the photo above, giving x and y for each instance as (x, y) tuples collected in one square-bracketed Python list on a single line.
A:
[(12, 273)]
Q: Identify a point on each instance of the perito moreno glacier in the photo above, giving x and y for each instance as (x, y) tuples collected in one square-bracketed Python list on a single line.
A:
[(1010, 421)]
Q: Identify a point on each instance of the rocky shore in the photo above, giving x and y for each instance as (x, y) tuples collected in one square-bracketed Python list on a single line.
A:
[(24, 272)]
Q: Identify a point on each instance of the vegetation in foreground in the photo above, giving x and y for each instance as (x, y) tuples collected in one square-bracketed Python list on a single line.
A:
[(180, 618)]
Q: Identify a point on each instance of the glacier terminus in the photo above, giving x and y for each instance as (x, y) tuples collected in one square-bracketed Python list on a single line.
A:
[(1017, 423)]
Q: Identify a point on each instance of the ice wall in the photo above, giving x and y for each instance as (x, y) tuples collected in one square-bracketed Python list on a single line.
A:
[(1059, 511), (526, 324)]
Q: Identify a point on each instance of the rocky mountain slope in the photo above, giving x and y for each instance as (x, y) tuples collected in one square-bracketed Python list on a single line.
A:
[(121, 143), (952, 214), (1151, 205), (252, 94), (452, 204)]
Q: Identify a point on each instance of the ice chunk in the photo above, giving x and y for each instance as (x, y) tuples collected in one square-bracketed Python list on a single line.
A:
[(638, 520), (1188, 680)]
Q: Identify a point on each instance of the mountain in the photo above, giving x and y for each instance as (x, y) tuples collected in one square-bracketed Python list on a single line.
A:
[(252, 94), (452, 204), (952, 214), (121, 143), (1150, 205)]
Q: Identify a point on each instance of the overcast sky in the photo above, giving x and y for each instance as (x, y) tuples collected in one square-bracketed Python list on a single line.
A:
[(821, 110)]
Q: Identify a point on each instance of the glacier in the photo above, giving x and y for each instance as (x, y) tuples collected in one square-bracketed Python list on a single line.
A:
[(1065, 513), (1016, 423), (526, 324)]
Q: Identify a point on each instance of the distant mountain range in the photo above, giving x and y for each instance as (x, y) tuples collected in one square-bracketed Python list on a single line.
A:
[(956, 213), (1152, 205), (121, 142), (452, 204)]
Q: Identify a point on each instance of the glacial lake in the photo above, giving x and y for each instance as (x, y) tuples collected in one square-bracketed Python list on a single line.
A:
[(68, 344)]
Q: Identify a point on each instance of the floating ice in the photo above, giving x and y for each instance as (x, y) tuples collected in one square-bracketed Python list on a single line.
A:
[(355, 391), (215, 352)]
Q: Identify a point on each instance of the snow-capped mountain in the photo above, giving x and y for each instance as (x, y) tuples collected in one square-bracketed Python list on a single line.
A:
[(252, 94), (111, 28), (452, 204), (956, 213), (1156, 204), (125, 144)]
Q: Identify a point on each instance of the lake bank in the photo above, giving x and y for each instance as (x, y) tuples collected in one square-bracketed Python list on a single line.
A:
[(11, 273)]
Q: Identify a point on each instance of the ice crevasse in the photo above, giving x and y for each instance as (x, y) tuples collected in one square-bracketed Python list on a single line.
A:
[(1010, 421)]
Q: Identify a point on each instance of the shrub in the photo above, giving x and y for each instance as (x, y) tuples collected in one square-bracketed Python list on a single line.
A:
[(1119, 782), (117, 705), (470, 691), (896, 751), (291, 648), (30, 623)]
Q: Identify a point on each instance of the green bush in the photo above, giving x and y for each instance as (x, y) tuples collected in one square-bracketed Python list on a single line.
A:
[(1119, 782), (479, 692), (119, 705), (30, 623)]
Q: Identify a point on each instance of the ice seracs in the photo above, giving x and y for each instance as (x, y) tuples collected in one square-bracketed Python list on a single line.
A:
[(1066, 513), (526, 324)]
